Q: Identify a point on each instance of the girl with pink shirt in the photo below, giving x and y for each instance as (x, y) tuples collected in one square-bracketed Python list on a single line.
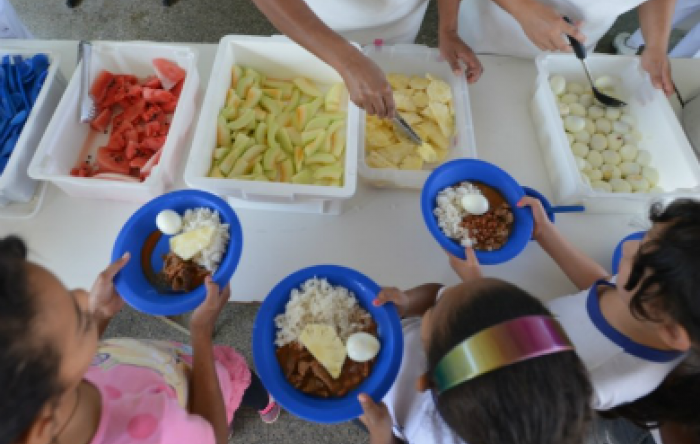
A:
[(61, 385)]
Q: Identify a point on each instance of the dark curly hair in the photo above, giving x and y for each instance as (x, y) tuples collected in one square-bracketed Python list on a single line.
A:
[(539, 401), (666, 270), (28, 365)]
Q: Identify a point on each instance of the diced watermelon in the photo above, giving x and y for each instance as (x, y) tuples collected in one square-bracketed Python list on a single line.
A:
[(153, 82), (153, 143), (138, 162), (98, 90), (168, 72), (153, 129), (132, 150), (152, 162), (177, 89), (101, 122), (111, 162), (169, 107), (157, 95)]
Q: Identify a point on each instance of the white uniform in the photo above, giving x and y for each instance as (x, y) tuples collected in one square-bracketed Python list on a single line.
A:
[(415, 418), (365, 21), (487, 28), (689, 45), (620, 369)]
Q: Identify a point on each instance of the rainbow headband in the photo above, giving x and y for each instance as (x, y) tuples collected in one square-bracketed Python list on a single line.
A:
[(504, 344)]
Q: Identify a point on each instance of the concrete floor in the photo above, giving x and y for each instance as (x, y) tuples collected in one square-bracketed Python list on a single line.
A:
[(202, 21)]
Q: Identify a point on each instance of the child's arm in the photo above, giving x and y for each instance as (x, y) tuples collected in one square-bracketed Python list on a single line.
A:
[(413, 302), (206, 399), (378, 421), (104, 301), (579, 268)]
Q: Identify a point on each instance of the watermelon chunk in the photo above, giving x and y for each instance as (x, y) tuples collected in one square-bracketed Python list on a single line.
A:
[(101, 122), (168, 72), (111, 162), (98, 90)]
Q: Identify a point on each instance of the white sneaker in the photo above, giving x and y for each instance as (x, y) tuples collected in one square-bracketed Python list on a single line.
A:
[(621, 46)]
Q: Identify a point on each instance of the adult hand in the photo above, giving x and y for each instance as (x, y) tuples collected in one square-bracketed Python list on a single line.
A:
[(104, 301), (393, 294), (656, 63), (542, 222), (377, 419), (454, 51), (545, 27), (467, 269), (204, 317), (367, 86)]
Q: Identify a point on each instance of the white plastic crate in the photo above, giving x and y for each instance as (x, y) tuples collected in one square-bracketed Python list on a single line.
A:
[(420, 60), (66, 138), (663, 136), (15, 183), (279, 57)]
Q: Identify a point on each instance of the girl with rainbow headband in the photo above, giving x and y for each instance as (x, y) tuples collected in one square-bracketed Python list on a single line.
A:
[(484, 362)]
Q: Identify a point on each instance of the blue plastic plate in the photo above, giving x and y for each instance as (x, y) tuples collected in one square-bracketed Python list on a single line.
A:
[(131, 282), (617, 254), (473, 170), (386, 367)]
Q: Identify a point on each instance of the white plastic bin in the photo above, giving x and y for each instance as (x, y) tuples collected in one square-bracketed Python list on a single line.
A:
[(279, 57), (664, 138), (420, 60), (66, 138), (15, 183)]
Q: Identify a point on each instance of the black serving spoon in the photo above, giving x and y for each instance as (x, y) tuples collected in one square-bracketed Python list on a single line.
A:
[(580, 52)]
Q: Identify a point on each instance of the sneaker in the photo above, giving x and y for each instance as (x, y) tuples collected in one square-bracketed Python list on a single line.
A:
[(271, 412), (621, 46)]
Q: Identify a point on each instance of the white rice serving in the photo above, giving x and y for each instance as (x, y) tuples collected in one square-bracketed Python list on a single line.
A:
[(210, 257), (318, 302), (450, 213)]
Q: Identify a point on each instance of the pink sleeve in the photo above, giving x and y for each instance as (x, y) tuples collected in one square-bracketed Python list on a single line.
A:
[(180, 427)]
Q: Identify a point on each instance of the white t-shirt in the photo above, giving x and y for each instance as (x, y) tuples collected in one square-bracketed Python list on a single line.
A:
[(488, 28), (415, 417), (620, 369)]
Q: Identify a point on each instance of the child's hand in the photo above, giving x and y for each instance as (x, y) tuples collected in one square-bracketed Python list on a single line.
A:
[(104, 301), (393, 294), (542, 222), (205, 316), (468, 269), (377, 419)]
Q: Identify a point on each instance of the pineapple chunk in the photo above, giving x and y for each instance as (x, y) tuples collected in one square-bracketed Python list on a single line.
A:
[(187, 245)]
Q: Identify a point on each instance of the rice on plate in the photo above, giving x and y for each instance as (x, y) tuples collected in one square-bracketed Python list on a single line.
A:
[(210, 257)]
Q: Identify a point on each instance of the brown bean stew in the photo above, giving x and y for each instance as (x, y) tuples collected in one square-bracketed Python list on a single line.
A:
[(177, 275), (305, 373), (490, 231)]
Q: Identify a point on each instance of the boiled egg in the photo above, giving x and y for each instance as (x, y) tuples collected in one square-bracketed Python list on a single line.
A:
[(169, 222), (475, 204), (362, 347)]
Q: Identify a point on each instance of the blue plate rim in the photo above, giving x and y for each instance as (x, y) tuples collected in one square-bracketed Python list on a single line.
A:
[(187, 301), (268, 373), (510, 187)]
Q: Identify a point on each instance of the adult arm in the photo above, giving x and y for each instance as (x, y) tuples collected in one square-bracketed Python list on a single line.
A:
[(542, 24), (581, 270), (452, 48), (206, 399), (366, 82), (655, 22)]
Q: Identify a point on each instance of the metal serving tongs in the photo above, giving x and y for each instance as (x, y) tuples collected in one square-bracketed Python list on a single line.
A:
[(406, 129), (580, 52), (88, 111)]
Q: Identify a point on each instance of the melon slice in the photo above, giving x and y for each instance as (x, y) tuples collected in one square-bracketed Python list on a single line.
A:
[(324, 344)]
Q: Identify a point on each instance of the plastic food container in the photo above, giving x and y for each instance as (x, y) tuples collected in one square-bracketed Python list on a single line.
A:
[(279, 57), (384, 371), (15, 183), (66, 138), (420, 60), (664, 138)]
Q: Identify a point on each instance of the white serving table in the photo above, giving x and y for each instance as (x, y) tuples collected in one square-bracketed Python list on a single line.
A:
[(381, 232)]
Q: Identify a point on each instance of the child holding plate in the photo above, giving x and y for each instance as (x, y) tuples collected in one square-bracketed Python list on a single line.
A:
[(484, 362), (61, 385)]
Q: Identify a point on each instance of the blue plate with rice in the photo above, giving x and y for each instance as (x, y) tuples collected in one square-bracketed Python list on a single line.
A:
[(386, 364), (132, 282)]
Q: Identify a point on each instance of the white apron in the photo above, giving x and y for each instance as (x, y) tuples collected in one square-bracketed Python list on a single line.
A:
[(487, 28), (364, 21)]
